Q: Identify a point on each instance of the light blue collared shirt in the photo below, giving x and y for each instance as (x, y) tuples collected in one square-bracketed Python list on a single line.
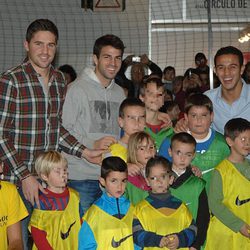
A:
[(223, 111)]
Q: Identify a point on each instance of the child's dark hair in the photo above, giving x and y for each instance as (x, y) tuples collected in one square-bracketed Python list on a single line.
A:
[(156, 80), (184, 138), (130, 102), (111, 164), (157, 160), (168, 68), (198, 99), (229, 50), (66, 68), (236, 126)]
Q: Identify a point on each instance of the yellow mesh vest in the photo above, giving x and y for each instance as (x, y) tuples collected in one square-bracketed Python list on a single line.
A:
[(62, 227), (155, 221), (236, 191), (110, 232), (119, 150)]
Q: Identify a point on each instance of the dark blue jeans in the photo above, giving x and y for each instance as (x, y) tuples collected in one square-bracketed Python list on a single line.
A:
[(25, 222), (89, 191)]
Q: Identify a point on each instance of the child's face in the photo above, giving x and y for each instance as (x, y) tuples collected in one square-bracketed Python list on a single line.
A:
[(159, 179), (182, 154), (169, 75), (153, 97), (199, 119), (145, 150), (240, 146), (115, 183), (57, 178), (134, 120)]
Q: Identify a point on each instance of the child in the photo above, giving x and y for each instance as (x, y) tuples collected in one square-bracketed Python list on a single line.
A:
[(108, 222), (12, 211), (173, 110), (57, 223), (187, 187), (152, 94), (141, 148), (229, 196), (211, 147), (131, 119), (162, 213)]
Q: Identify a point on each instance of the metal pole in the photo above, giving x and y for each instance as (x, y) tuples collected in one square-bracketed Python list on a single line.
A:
[(210, 44)]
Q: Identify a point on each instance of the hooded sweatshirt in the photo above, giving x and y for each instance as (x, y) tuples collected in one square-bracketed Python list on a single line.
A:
[(90, 112)]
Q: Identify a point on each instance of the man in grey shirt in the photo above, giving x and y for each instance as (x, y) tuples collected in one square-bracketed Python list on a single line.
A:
[(90, 113)]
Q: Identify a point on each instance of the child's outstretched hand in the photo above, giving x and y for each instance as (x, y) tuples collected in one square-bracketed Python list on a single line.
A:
[(173, 241), (245, 230)]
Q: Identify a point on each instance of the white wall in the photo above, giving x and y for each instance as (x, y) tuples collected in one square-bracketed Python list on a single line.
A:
[(78, 29)]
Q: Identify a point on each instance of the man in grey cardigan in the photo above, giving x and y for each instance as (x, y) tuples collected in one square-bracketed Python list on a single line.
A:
[(90, 113)]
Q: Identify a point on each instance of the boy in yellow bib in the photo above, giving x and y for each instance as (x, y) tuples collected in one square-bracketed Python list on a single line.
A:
[(12, 211), (132, 119), (161, 212), (57, 223), (108, 223), (229, 195)]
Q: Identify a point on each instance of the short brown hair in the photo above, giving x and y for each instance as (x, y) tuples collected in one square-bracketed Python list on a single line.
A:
[(198, 99)]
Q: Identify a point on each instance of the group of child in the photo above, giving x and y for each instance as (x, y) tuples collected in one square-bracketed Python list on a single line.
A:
[(148, 202)]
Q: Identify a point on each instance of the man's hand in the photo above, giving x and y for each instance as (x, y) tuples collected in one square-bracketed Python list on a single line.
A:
[(167, 123), (94, 155), (134, 169), (30, 187), (104, 142), (245, 230), (144, 59), (181, 126)]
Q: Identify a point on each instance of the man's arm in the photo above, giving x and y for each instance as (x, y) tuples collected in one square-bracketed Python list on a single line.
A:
[(73, 107), (14, 235), (8, 152)]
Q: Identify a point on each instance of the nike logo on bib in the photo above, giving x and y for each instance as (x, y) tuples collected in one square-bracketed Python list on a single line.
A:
[(239, 202), (66, 235), (116, 244)]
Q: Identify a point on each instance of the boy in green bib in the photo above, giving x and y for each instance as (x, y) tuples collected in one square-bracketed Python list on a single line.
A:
[(188, 187)]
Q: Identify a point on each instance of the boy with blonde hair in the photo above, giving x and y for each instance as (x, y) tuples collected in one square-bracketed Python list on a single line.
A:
[(57, 223), (229, 196)]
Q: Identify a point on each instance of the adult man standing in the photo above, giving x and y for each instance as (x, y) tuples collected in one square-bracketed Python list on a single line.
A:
[(232, 98), (90, 113), (31, 98)]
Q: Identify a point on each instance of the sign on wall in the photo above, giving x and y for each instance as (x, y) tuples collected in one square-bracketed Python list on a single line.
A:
[(104, 5)]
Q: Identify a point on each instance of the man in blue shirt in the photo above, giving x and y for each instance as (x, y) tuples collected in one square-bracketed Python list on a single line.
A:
[(232, 98)]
